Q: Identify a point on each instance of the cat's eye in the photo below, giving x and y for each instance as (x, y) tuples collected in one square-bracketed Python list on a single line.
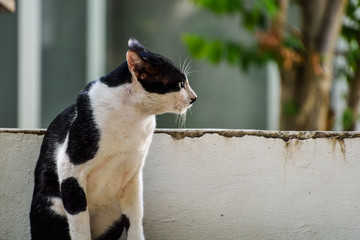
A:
[(181, 84)]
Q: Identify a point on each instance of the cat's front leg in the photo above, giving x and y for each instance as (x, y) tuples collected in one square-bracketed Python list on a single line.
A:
[(131, 204), (75, 205)]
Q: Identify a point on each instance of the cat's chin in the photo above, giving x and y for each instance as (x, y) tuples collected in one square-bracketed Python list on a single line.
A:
[(175, 111), (181, 110), (184, 110)]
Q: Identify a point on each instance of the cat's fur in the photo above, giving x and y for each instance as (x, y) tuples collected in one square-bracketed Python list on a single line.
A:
[(88, 178)]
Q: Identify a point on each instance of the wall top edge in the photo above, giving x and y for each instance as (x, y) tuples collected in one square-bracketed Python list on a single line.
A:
[(178, 134)]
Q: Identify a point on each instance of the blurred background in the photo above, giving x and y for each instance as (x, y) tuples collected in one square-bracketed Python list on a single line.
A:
[(49, 50)]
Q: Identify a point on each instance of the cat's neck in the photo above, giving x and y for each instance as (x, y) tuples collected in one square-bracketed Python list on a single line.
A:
[(118, 76), (112, 105), (118, 119)]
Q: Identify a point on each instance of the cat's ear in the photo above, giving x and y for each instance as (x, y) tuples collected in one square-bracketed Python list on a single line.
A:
[(134, 45), (134, 60)]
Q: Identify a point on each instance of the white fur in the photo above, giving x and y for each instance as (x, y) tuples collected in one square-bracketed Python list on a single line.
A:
[(57, 206)]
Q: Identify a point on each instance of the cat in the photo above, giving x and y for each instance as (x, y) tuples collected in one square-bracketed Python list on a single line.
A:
[(88, 178)]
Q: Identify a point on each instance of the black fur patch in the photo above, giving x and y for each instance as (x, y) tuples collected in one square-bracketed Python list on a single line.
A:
[(46, 179), (160, 78), (45, 224), (156, 74), (117, 228), (118, 76), (73, 196), (84, 135)]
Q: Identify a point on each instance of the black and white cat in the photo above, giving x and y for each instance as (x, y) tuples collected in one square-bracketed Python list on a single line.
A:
[(88, 178)]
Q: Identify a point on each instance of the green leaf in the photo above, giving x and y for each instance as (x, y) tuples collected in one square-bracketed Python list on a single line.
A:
[(353, 55), (350, 33), (199, 47), (195, 44), (271, 7), (295, 43), (217, 50), (234, 52), (214, 51), (251, 19), (352, 6)]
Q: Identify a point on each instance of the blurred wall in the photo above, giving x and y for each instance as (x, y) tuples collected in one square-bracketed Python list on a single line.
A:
[(8, 70), (63, 55)]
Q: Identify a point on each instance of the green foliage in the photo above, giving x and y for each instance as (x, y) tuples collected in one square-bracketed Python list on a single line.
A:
[(258, 15), (201, 48), (251, 10), (294, 42), (254, 14), (350, 33), (196, 45), (220, 50), (221, 6), (352, 6)]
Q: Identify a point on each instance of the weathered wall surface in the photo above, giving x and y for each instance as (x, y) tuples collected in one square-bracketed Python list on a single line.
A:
[(18, 155), (211, 184)]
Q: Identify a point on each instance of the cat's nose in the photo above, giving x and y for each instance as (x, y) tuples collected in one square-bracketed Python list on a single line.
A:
[(193, 99)]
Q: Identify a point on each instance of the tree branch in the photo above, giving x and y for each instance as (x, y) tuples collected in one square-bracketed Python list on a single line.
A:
[(330, 25), (279, 22), (312, 12)]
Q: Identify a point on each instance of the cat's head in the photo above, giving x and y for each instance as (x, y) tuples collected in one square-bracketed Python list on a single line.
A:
[(160, 86)]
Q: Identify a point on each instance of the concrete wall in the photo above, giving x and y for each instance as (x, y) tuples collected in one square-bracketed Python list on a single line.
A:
[(211, 184)]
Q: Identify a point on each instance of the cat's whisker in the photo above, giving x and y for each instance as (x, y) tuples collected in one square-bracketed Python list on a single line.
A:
[(177, 119), (184, 65), (181, 119), (187, 67), (190, 112), (190, 73)]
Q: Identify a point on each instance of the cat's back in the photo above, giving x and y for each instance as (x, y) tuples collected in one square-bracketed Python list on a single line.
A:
[(59, 127), (55, 135)]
